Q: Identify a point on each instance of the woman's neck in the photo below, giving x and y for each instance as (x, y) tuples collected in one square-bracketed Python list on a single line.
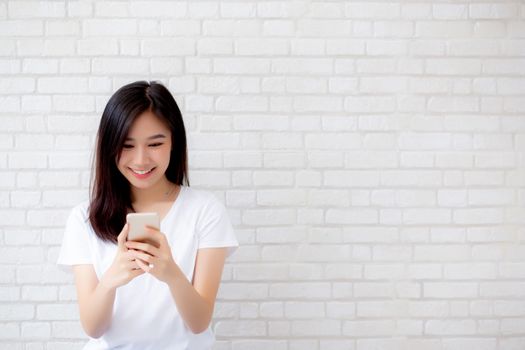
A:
[(160, 192)]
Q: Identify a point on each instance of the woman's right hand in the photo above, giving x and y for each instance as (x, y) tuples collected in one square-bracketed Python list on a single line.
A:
[(124, 267)]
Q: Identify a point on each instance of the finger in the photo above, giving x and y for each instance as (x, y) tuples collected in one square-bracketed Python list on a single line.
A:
[(132, 265), (144, 267), (128, 255), (137, 272), (151, 229), (144, 257), (159, 237), (121, 238), (145, 247), (155, 232)]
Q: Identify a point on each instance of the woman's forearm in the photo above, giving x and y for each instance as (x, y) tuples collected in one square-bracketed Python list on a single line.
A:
[(193, 308), (96, 312)]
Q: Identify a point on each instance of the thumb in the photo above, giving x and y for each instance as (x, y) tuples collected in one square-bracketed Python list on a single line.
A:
[(121, 239)]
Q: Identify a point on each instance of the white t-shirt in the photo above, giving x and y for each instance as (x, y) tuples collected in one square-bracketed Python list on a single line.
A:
[(144, 314)]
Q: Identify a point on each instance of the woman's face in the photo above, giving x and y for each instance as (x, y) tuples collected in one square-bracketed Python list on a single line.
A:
[(146, 154)]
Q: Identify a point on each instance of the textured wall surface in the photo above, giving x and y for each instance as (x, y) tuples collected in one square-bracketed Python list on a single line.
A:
[(371, 155)]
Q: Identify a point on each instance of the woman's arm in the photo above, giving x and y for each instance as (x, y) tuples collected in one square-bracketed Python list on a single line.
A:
[(195, 300), (96, 298)]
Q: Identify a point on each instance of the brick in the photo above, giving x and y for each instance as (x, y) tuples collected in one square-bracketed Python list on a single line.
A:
[(241, 66), (59, 47), (368, 328), (449, 290), (470, 271), (375, 11), (67, 330), (273, 178), (473, 47), (33, 9), (273, 10), (279, 28), (301, 310), (27, 28), (97, 46), (260, 272), (511, 86), (433, 47), (168, 47), (252, 328), (453, 104), (16, 312), (109, 27), (351, 178), (25, 199), (393, 29), (158, 9), (383, 85), (9, 330), (386, 47), (316, 327), (268, 217), (420, 178), (237, 10), (284, 160), (479, 216), (242, 104), (10, 104), (443, 29), (282, 141), (502, 289), (323, 28), (493, 11), (263, 47), (298, 66), (449, 11), (36, 330), (366, 104), (259, 344), (120, 65), (386, 271), (27, 160), (9, 294), (281, 198), (456, 66), (436, 252), (352, 216), (450, 327), (311, 290), (17, 85)]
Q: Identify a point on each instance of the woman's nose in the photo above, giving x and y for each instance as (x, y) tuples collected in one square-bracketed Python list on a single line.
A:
[(141, 156)]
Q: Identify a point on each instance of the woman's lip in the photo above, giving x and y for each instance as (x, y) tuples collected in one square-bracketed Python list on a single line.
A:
[(142, 176)]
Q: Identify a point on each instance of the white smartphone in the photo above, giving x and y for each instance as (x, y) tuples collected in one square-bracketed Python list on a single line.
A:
[(137, 226)]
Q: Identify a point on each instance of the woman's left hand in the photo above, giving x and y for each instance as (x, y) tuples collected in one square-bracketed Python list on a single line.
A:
[(156, 261)]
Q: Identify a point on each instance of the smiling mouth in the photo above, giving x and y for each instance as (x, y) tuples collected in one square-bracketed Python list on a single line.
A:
[(142, 172)]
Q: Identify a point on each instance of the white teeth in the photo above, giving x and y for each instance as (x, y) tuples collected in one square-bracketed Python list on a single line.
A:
[(141, 172)]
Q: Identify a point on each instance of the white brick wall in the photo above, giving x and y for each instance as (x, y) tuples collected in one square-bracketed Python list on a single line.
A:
[(371, 156)]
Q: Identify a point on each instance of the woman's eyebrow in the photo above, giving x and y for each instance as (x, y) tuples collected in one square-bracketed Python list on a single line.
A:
[(154, 137)]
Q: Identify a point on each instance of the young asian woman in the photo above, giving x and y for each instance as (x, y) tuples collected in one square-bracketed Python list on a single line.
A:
[(144, 295)]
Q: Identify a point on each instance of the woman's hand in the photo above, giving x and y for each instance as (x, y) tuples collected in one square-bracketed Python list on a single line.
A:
[(124, 267), (157, 261)]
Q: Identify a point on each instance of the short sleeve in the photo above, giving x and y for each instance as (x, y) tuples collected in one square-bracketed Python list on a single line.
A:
[(75, 249), (214, 228)]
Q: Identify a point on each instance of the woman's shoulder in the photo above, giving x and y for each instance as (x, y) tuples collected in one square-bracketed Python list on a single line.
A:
[(200, 198), (81, 210)]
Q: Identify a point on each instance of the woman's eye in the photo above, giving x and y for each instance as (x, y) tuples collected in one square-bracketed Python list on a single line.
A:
[(127, 146), (156, 144)]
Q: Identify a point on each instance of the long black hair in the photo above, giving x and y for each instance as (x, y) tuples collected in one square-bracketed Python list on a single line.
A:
[(111, 194)]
